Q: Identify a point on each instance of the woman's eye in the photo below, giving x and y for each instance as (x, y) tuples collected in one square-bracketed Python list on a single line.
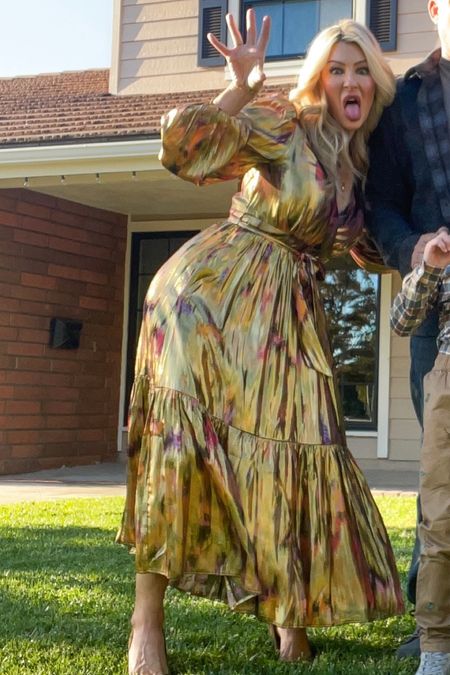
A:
[(336, 71), (363, 71)]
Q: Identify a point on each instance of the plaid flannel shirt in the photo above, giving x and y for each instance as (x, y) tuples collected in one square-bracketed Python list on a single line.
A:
[(434, 124), (422, 289)]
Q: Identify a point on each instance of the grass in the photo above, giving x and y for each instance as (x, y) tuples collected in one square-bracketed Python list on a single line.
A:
[(66, 594)]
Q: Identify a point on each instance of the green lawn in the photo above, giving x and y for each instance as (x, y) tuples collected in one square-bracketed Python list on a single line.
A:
[(66, 594)]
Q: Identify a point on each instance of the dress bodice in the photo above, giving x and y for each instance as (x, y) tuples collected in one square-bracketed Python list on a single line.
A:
[(283, 185)]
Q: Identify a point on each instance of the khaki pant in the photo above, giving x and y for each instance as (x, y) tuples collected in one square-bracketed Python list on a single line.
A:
[(433, 582)]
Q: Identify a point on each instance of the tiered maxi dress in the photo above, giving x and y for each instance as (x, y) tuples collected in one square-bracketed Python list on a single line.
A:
[(240, 484)]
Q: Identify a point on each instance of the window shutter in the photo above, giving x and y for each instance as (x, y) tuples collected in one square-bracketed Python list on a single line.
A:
[(211, 19), (383, 22)]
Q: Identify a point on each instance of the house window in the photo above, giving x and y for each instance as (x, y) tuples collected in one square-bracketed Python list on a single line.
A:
[(295, 22), (149, 251), (351, 298)]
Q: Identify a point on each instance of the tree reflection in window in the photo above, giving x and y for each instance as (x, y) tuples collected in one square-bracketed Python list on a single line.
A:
[(351, 300)]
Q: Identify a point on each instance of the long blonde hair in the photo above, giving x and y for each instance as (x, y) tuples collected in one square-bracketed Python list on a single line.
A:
[(328, 140)]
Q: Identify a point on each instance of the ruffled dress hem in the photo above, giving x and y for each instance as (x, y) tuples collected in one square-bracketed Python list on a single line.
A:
[(285, 531)]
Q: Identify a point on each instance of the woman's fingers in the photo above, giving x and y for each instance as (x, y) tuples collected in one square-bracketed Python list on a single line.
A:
[(234, 30), (251, 27), (218, 45), (264, 36)]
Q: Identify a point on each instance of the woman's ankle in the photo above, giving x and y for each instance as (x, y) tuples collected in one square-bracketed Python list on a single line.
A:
[(150, 620), (294, 644), (147, 651)]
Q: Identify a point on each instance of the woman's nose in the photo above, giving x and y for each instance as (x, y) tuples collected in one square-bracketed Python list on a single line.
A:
[(349, 79)]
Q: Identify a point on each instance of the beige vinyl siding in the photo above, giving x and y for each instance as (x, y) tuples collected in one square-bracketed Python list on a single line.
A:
[(416, 35), (158, 49), (362, 447), (404, 430)]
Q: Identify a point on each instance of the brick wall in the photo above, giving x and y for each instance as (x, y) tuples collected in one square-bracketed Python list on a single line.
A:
[(58, 258)]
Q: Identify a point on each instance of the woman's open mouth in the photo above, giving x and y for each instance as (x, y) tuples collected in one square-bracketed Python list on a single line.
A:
[(352, 107)]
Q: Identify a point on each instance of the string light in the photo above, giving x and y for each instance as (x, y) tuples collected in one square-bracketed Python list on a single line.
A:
[(134, 175), (26, 183), (97, 178), (63, 180)]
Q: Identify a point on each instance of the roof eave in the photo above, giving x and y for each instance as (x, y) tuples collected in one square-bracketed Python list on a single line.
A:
[(79, 158)]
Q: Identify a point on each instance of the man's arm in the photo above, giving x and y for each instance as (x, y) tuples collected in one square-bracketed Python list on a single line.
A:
[(419, 292), (389, 192)]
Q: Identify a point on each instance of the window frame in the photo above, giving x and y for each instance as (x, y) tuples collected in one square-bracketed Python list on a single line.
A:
[(242, 13)]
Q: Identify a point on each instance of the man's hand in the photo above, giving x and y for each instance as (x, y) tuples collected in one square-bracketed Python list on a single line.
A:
[(437, 250), (419, 249)]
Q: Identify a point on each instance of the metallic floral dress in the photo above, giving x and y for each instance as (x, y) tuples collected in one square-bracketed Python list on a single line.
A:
[(240, 484)]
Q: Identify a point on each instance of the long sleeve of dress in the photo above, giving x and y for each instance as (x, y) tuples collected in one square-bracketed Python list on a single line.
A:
[(203, 144), (419, 292)]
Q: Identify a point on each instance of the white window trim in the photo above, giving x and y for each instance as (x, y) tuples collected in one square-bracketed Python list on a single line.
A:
[(355, 433), (384, 367), (125, 322), (290, 67)]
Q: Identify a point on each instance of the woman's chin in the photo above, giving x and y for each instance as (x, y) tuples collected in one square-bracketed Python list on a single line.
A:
[(350, 126)]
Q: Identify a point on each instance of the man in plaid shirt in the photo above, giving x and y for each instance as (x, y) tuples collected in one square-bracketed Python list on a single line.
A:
[(408, 200), (425, 288)]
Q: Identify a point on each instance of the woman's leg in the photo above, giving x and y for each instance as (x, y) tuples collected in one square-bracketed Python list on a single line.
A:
[(147, 653), (294, 645)]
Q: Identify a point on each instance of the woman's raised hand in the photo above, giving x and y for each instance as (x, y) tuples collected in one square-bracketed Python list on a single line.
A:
[(246, 59)]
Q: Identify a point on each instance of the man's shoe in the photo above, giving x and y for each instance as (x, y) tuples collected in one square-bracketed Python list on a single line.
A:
[(434, 663), (410, 647)]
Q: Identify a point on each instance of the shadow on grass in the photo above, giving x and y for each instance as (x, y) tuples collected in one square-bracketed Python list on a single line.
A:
[(72, 586), (74, 548), (57, 548)]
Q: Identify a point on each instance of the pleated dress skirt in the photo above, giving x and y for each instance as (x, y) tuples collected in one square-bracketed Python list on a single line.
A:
[(240, 484)]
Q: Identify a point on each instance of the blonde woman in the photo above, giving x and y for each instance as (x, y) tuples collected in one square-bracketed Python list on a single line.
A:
[(241, 487)]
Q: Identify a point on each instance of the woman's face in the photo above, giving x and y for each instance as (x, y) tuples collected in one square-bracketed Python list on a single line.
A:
[(348, 86)]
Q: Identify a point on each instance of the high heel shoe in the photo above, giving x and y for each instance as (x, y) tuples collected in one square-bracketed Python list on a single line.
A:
[(274, 634), (144, 670)]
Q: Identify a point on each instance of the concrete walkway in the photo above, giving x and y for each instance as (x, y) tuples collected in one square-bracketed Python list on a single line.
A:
[(99, 480), (94, 480)]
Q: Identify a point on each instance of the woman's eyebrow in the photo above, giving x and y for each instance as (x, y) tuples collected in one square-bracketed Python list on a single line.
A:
[(342, 63)]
